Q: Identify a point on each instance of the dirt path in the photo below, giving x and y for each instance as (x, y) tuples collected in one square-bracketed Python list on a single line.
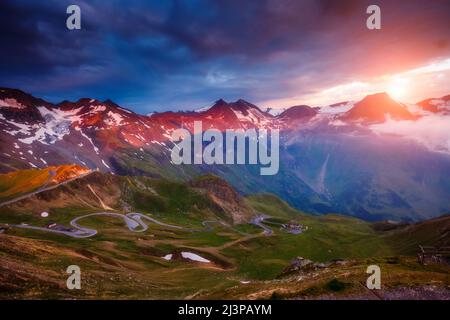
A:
[(104, 206)]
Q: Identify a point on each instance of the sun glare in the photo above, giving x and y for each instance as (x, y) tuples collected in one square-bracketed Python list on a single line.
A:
[(398, 88), (397, 92)]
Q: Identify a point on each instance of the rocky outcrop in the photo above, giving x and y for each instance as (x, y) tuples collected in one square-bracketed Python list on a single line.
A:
[(222, 194)]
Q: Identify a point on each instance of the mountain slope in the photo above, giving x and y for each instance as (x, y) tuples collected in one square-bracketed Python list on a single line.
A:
[(375, 108), (433, 232), (244, 261), (436, 105), (181, 202), (332, 159), (21, 182), (224, 196)]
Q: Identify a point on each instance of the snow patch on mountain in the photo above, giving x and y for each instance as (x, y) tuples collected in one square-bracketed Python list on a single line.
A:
[(21, 128), (145, 125), (88, 139), (335, 109), (275, 111), (97, 109), (104, 163), (194, 257), (11, 103), (113, 119), (441, 104), (57, 125), (253, 116), (203, 109), (125, 110)]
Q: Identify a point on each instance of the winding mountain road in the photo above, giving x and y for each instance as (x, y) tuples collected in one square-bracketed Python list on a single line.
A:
[(258, 220), (134, 222)]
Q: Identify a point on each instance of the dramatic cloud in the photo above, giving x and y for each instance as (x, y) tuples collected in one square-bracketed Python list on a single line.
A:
[(432, 131), (157, 55)]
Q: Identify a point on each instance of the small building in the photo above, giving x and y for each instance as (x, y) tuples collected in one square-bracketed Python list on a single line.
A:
[(293, 227), (52, 225)]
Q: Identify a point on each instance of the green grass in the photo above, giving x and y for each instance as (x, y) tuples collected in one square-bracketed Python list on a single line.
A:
[(272, 206), (327, 237), (175, 202), (406, 241), (210, 239), (117, 252)]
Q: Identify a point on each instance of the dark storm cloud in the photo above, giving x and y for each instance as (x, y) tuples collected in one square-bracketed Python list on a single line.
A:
[(181, 54)]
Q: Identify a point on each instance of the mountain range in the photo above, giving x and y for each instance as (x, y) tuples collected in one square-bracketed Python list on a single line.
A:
[(373, 159)]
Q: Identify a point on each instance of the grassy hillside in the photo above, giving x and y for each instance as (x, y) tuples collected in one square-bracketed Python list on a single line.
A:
[(272, 205), (434, 232), (118, 263), (401, 278), (174, 201), (327, 237), (21, 182)]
